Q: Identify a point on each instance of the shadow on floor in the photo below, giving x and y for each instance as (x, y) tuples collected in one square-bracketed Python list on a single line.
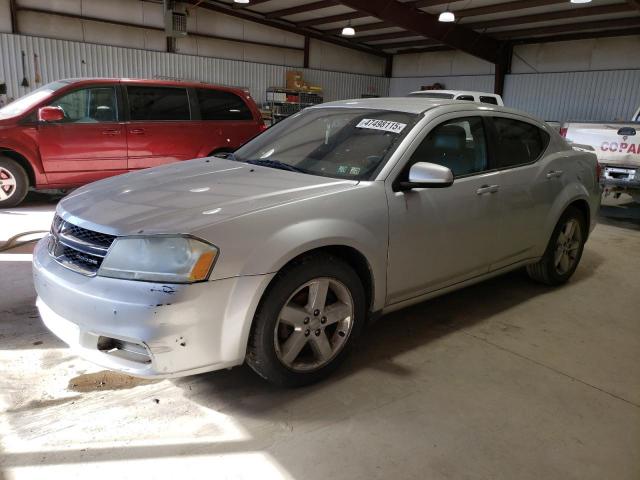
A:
[(389, 337), (622, 212)]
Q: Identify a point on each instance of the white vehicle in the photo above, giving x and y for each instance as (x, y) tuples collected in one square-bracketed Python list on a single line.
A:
[(617, 145), (479, 97)]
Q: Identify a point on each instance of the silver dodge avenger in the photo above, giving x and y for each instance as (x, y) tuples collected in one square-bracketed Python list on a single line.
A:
[(278, 254)]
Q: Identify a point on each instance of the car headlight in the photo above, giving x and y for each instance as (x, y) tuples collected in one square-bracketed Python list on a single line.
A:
[(165, 259)]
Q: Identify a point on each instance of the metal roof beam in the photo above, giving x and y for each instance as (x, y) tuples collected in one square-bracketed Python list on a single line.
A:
[(308, 7), (571, 27), (422, 23), (634, 3), (333, 18), (408, 43), (283, 25), (561, 15), (623, 32)]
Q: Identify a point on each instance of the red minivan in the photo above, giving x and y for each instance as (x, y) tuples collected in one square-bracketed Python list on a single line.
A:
[(71, 132)]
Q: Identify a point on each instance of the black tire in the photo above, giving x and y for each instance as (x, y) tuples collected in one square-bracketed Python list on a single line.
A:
[(11, 168), (261, 350), (545, 271)]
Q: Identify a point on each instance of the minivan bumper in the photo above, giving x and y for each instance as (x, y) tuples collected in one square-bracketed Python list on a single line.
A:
[(147, 329)]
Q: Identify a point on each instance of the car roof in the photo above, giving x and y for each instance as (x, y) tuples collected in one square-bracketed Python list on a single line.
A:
[(398, 104), (417, 105), (456, 92), (152, 81)]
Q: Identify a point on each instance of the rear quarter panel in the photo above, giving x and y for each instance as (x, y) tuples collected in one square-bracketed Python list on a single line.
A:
[(579, 182)]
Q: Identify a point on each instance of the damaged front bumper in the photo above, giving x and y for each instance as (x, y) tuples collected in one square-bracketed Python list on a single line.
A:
[(148, 329)]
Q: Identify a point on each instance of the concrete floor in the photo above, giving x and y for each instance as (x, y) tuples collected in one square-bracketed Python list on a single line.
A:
[(504, 380)]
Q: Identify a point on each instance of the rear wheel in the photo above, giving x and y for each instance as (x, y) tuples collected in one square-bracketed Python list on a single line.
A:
[(14, 183), (564, 250), (307, 322)]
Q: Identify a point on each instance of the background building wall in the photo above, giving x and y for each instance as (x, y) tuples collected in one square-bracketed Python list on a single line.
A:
[(233, 38), (454, 69), (65, 59), (594, 79)]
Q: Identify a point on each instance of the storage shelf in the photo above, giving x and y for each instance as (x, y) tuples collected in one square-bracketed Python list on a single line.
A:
[(281, 101)]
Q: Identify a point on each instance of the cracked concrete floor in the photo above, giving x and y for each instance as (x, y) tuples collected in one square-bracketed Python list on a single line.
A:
[(503, 380)]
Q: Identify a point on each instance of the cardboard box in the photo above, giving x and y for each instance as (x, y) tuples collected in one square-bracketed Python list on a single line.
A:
[(294, 80)]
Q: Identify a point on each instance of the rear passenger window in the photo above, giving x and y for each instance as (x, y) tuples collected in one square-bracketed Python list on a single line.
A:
[(518, 143), (468, 98), (158, 103), (219, 105), (491, 100), (457, 144)]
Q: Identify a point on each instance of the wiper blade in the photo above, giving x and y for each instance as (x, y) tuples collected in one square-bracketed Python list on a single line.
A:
[(225, 155), (267, 162)]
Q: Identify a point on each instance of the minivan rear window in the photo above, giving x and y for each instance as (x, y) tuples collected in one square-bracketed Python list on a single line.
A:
[(220, 105), (158, 103), (491, 100), (447, 96)]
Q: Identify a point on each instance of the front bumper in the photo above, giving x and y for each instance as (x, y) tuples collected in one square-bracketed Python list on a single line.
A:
[(176, 330)]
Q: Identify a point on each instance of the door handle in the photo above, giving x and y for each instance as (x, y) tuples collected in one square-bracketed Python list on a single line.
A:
[(627, 131), (136, 131), (554, 173), (110, 132), (488, 189)]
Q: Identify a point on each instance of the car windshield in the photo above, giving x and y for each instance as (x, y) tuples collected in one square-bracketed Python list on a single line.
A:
[(24, 103), (346, 143)]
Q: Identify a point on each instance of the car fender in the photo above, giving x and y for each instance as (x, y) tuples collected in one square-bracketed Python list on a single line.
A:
[(30, 154), (293, 240), (290, 242), (569, 194)]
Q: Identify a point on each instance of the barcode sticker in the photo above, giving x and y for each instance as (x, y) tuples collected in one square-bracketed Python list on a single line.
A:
[(384, 125)]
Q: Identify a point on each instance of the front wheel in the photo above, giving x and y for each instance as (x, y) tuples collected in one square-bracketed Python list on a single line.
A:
[(14, 183), (564, 251), (307, 322)]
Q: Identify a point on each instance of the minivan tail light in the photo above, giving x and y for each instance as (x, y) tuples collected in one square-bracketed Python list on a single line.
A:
[(598, 171), (563, 132), (262, 127)]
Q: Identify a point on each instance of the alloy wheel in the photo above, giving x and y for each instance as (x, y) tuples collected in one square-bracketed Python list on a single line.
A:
[(568, 246), (7, 184), (314, 324)]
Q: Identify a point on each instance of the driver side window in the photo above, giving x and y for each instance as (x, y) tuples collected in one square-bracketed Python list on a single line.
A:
[(88, 105), (459, 145)]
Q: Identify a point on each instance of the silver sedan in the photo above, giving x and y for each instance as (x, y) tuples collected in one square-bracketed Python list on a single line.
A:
[(278, 255)]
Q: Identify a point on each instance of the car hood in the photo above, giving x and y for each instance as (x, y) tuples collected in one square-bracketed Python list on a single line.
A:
[(187, 196)]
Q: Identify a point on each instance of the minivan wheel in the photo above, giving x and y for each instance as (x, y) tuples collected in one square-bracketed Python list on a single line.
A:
[(564, 250), (14, 183), (307, 322)]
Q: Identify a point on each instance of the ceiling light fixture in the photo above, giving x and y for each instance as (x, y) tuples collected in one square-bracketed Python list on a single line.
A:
[(580, 1), (348, 31), (241, 1), (447, 17)]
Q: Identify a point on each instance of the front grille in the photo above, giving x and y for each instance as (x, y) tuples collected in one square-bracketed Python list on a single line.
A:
[(89, 236), (77, 248)]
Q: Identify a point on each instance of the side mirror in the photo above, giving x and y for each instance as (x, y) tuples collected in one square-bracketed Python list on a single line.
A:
[(427, 175), (50, 114)]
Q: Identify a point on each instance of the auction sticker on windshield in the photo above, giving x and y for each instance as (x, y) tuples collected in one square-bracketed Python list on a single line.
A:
[(384, 125)]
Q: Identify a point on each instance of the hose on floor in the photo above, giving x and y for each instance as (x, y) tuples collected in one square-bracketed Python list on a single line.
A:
[(14, 242)]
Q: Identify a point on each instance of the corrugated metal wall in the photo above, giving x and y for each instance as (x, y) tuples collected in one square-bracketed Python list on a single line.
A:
[(65, 59), (400, 86), (596, 95)]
